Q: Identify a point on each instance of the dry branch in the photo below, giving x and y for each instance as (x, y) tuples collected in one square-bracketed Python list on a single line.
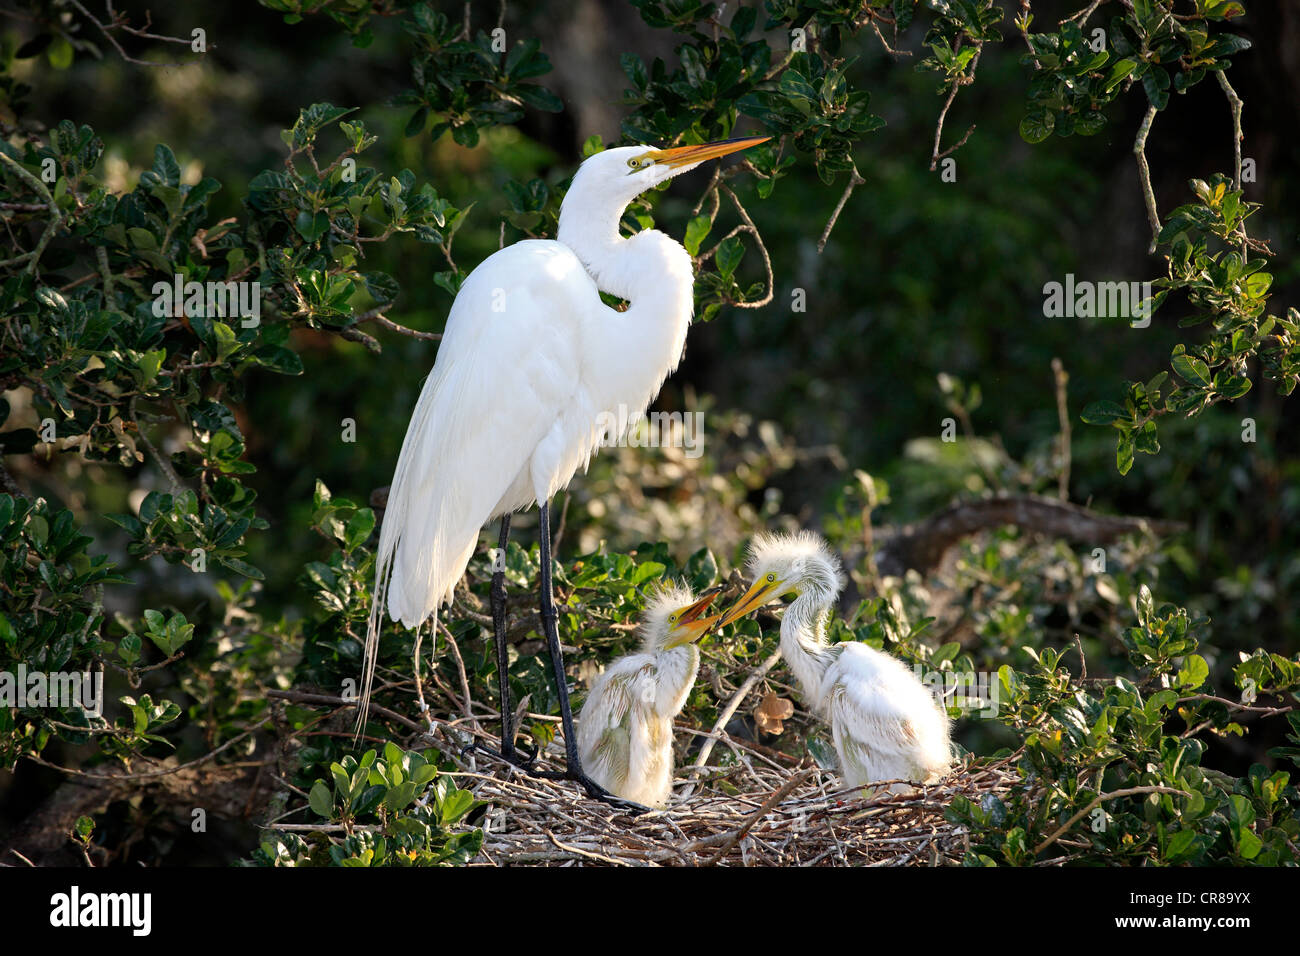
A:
[(923, 546)]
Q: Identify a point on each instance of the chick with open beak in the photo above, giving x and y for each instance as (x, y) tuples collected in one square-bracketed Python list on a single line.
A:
[(625, 728), (886, 725)]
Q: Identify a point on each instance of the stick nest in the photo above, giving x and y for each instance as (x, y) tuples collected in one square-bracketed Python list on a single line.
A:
[(777, 816)]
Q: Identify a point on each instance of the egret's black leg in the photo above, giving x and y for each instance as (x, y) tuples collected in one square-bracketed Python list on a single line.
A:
[(551, 629), (509, 751), (573, 763)]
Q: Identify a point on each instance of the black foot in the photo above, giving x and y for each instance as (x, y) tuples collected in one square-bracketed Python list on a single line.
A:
[(594, 790), (518, 756)]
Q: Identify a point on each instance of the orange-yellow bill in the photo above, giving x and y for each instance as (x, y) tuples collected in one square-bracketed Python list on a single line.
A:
[(760, 592), (688, 155), (691, 626)]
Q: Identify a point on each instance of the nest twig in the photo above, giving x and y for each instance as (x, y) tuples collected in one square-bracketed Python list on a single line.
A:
[(767, 816), (750, 806)]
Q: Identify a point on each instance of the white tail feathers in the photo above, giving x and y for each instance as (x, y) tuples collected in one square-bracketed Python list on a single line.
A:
[(429, 529)]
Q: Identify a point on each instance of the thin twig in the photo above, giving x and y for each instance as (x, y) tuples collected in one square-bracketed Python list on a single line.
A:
[(56, 215), (756, 675), (301, 697), (173, 479), (1144, 174), (1096, 802), (118, 22), (966, 78), (762, 251), (855, 179), (1061, 378), (377, 315), (758, 814), (152, 773), (1235, 103)]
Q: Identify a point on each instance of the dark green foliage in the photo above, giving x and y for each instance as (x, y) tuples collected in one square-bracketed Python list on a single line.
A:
[(416, 808), (1212, 269), (1112, 771), (114, 368), (464, 84)]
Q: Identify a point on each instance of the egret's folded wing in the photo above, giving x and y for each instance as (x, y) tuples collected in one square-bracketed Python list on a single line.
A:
[(883, 709), (872, 720), (605, 724), (507, 367)]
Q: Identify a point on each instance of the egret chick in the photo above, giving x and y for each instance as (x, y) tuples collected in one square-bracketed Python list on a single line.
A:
[(625, 728), (884, 722)]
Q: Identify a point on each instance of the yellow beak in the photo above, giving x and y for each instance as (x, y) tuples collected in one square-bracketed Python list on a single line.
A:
[(689, 155), (690, 626), (760, 592)]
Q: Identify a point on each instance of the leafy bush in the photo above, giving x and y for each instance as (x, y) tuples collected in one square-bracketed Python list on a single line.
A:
[(130, 392)]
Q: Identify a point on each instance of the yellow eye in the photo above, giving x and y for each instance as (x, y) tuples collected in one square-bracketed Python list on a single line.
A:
[(636, 162), (771, 578), (672, 618)]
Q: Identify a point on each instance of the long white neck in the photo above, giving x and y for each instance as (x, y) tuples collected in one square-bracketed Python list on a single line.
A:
[(655, 275), (804, 645), (676, 669)]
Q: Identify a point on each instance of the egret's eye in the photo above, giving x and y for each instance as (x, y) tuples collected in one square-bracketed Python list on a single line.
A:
[(771, 578), (672, 617), (636, 162)]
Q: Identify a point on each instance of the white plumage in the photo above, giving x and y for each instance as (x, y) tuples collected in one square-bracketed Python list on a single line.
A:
[(885, 724), (625, 729), (532, 371)]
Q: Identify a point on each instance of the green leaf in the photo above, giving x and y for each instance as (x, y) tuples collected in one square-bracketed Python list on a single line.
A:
[(1118, 71), (729, 254), (1124, 451), (60, 53), (358, 528), (1156, 83), (166, 171), (1104, 413), (311, 227), (321, 801), (1181, 845), (1191, 369), (1194, 672), (1036, 126), (647, 571), (454, 806), (696, 231)]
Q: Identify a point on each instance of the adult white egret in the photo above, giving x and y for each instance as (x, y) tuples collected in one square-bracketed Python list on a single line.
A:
[(886, 725), (625, 728), (531, 369)]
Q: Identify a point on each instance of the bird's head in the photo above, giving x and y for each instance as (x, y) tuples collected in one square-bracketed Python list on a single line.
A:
[(674, 616), (781, 564), (625, 172)]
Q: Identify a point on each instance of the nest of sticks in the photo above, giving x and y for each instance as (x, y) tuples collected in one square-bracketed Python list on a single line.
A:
[(750, 812)]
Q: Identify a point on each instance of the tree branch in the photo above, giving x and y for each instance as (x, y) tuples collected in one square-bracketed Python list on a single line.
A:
[(1144, 174), (1096, 802), (964, 79), (855, 179), (56, 215), (922, 547), (377, 315)]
